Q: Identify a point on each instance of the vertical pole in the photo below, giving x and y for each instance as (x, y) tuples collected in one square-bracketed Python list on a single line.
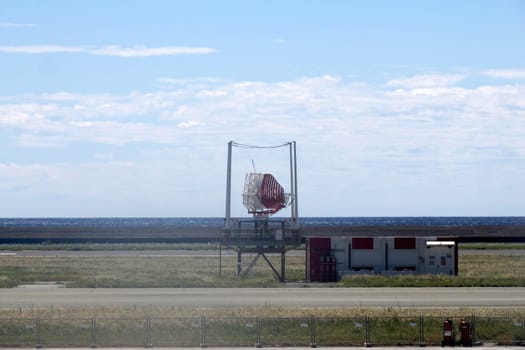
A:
[(93, 333), (220, 258), (283, 265), (203, 332), (296, 201), (313, 332), (456, 260), (473, 330), (292, 186), (228, 187), (149, 344), (367, 332), (227, 215), (239, 262), (421, 330), (258, 330), (38, 340)]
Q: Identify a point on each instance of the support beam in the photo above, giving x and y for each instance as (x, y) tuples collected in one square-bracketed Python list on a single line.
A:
[(296, 207), (283, 266), (263, 238), (227, 216), (239, 262), (250, 267), (279, 277)]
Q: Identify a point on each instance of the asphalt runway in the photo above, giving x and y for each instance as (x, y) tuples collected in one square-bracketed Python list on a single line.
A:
[(133, 253), (45, 296), (197, 252), (491, 347)]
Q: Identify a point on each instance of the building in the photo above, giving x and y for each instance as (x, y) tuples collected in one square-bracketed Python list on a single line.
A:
[(330, 258)]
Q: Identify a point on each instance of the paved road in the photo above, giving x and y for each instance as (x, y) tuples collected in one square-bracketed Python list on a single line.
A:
[(197, 252), (285, 297), (133, 253), (491, 347)]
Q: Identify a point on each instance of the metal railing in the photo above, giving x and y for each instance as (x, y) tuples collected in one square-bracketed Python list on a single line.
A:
[(252, 331)]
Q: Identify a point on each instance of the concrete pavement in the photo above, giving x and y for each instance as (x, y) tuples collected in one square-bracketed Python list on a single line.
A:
[(44, 296)]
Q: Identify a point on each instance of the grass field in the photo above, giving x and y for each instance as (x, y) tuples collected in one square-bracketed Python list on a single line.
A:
[(126, 325), (203, 271), (480, 270), (111, 246), (136, 327), (198, 246)]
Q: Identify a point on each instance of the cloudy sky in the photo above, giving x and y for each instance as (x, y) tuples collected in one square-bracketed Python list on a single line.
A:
[(398, 108)]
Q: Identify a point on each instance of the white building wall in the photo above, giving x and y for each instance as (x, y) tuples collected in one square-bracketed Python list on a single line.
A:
[(385, 258), (340, 248)]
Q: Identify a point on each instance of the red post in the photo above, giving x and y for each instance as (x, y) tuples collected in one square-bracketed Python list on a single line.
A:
[(464, 327), (448, 333)]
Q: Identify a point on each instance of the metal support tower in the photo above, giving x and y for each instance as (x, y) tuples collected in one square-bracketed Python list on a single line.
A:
[(261, 236)]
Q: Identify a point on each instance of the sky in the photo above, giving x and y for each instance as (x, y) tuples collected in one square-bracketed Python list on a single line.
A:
[(398, 108)]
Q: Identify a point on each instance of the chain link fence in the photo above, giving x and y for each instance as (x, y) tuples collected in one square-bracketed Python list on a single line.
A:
[(256, 331)]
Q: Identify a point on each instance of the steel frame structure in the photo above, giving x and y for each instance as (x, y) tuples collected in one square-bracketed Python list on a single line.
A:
[(261, 235)]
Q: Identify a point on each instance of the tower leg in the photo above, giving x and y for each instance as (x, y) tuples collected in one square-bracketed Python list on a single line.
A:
[(239, 262), (283, 266)]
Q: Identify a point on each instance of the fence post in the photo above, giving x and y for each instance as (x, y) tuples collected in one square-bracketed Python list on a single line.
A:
[(93, 333), (148, 333), (258, 332), (38, 340), (203, 331), (421, 330), (367, 332), (313, 331), (473, 329)]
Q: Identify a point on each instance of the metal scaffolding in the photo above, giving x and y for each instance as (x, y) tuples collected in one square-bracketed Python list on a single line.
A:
[(261, 235)]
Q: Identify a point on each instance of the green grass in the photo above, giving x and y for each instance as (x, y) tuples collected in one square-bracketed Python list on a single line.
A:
[(110, 246), (386, 328), (195, 246), (129, 271), (430, 281), (187, 271), (491, 246), (179, 326), (479, 270)]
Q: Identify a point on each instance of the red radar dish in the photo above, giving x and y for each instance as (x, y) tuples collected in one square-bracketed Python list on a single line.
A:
[(263, 195)]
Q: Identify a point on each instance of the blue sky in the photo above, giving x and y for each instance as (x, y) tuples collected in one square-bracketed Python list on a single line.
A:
[(398, 108)]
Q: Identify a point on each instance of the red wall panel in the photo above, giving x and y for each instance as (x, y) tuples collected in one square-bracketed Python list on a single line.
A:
[(405, 243), (362, 243), (317, 247)]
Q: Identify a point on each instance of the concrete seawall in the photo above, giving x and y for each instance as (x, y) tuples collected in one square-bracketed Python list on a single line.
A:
[(175, 234)]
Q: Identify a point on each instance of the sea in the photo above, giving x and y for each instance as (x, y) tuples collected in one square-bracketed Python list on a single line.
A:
[(465, 221)]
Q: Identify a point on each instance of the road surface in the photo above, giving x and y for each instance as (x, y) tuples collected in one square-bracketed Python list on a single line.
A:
[(44, 296), (491, 347), (199, 253)]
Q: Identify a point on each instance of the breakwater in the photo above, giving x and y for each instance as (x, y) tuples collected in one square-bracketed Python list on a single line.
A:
[(38, 234)]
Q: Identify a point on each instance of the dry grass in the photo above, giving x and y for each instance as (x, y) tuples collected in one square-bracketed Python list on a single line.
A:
[(128, 271), (187, 271), (134, 311), (137, 327), (203, 271)]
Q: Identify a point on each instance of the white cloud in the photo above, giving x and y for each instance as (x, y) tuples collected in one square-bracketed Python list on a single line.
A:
[(354, 139), (325, 108), (142, 51), (505, 73), (118, 51), (42, 49), (189, 124), (191, 81), (427, 80)]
